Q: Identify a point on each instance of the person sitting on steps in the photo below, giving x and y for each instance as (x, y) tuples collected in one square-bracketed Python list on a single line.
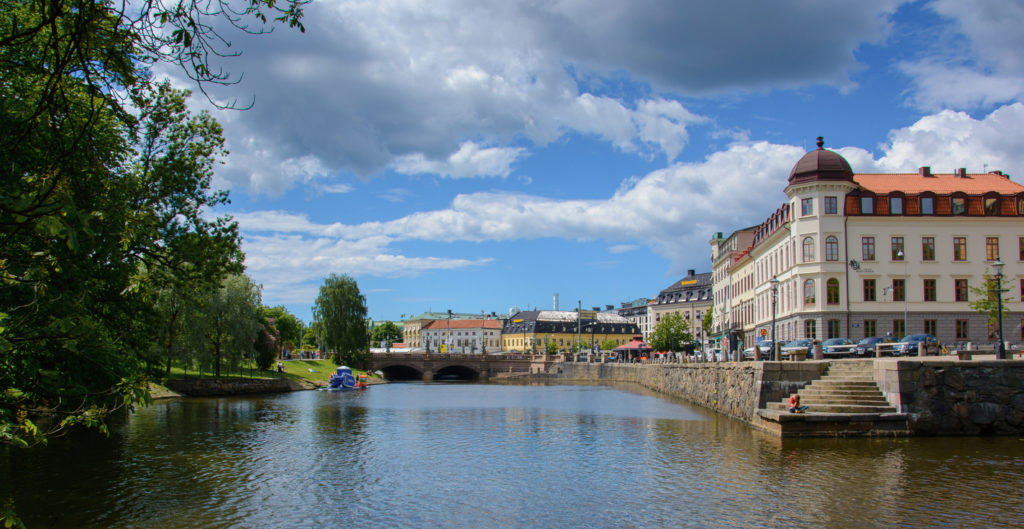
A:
[(794, 404)]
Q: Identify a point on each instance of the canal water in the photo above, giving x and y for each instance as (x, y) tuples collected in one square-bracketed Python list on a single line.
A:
[(507, 456)]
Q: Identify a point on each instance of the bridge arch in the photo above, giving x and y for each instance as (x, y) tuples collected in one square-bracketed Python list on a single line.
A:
[(456, 372), (397, 372)]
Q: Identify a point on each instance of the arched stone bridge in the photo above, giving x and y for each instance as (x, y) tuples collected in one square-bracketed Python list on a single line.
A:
[(422, 366)]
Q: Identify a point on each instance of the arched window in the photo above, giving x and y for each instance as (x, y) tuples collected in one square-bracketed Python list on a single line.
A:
[(832, 291), (809, 292), (831, 248), (808, 249)]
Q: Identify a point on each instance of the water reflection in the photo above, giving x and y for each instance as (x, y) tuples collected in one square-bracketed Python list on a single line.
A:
[(470, 455)]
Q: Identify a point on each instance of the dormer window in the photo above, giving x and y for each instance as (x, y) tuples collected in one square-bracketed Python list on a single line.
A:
[(895, 205), (959, 205), (927, 205), (867, 205), (991, 205)]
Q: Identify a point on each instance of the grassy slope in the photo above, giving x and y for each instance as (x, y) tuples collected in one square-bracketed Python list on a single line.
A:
[(293, 369)]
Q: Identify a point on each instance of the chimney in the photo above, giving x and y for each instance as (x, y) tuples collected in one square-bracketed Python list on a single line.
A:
[(961, 172), (924, 172), (690, 272)]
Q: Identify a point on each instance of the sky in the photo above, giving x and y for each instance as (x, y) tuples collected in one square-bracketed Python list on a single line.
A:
[(482, 155)]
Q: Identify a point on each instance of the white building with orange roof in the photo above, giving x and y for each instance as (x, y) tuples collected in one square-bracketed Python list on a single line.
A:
[(465, 336), (858, 255)]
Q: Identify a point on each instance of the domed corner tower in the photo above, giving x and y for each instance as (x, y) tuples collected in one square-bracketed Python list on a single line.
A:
[(819, 171)]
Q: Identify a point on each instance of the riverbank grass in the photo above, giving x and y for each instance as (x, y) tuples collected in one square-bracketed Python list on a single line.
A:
[(315, 371)]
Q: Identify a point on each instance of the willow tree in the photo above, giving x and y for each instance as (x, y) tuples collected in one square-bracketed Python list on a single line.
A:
[(340, 311)]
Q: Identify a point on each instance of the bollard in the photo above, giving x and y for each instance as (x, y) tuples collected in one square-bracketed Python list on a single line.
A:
[(818, 353), (921, 349)]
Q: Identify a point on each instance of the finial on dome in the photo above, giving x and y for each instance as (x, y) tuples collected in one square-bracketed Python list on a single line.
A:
[(821, 142)]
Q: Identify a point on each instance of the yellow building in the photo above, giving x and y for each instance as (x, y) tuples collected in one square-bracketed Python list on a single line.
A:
[(532, 330)]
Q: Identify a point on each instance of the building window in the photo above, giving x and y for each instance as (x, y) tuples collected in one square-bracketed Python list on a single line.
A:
[(1020, 247), (899, 292), (961, 329), (832, 291), (960, 289), (807, 206), (809, 292), (1020, 211), (811, 329), (870, 327), (867, 246), (931, 327), (991, 248), (899, 328), (927, 205), (991, 206), (867, 205), (959, 205), (895, 205), (833, 328), (869, 290), (929, 290), (808, 249), (927, 248), (1022, 289), (959, 248), (831, 205), (897, 249), (831, 248)]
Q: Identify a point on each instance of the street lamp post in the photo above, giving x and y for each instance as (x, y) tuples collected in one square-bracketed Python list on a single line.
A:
[(906, 290), (775, 293), (1001, 348), (579, 329)]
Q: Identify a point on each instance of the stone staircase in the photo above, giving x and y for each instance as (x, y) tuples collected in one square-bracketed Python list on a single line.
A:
[(845, 402), (848, 387)]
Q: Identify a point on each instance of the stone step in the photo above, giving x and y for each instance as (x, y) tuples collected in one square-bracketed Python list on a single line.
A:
[(835, 408), (843, 402), (839, 390), (825, 382), (840, 396)]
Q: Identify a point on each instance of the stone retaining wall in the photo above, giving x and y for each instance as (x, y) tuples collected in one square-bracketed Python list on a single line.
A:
[(215, 387), (940, 396), (736, 389), (951, 397)]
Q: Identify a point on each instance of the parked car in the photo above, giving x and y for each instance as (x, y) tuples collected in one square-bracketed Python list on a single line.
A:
[(803, 346), (869, 346), (838, 347), (909, 344), (766, 350)]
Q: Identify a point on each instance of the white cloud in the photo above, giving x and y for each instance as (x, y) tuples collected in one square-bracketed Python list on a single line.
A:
[(984, 71), (425, 86), (467, 162), (672, 210)]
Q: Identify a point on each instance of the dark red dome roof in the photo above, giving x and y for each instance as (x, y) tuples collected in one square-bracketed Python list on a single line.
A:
[(821, 164)]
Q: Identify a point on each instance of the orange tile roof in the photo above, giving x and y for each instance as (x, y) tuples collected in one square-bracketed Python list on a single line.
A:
[(464, 324), (941, 184)]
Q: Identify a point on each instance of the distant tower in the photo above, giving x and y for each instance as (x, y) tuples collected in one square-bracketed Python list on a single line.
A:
[(556, 301)]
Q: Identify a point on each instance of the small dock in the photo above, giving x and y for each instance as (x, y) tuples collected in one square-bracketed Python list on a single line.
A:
[(845, 402)]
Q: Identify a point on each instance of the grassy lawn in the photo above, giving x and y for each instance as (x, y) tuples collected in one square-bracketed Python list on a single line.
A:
[(312, 370)]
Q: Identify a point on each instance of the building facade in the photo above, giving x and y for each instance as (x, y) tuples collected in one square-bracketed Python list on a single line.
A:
[(412, 327), (640, 313), (691, 297), (462, 336), (857, 255), (726, 326), (532, 330)]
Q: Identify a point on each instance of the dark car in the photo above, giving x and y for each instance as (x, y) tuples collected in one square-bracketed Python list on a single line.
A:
[(910, 344), (869, 346), (837, 347)]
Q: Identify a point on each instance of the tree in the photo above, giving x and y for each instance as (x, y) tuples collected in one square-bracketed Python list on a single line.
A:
[(551, 347), (230, 322), (289, 326), (312, 338), (608, 345), (708, 321), (671, 333), (267, 344), (386, 332), (986, 302), (341, 311)]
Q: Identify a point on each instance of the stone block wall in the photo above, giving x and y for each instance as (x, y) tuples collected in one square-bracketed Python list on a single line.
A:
[(736, 389), (216, 387), (951, 397)]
